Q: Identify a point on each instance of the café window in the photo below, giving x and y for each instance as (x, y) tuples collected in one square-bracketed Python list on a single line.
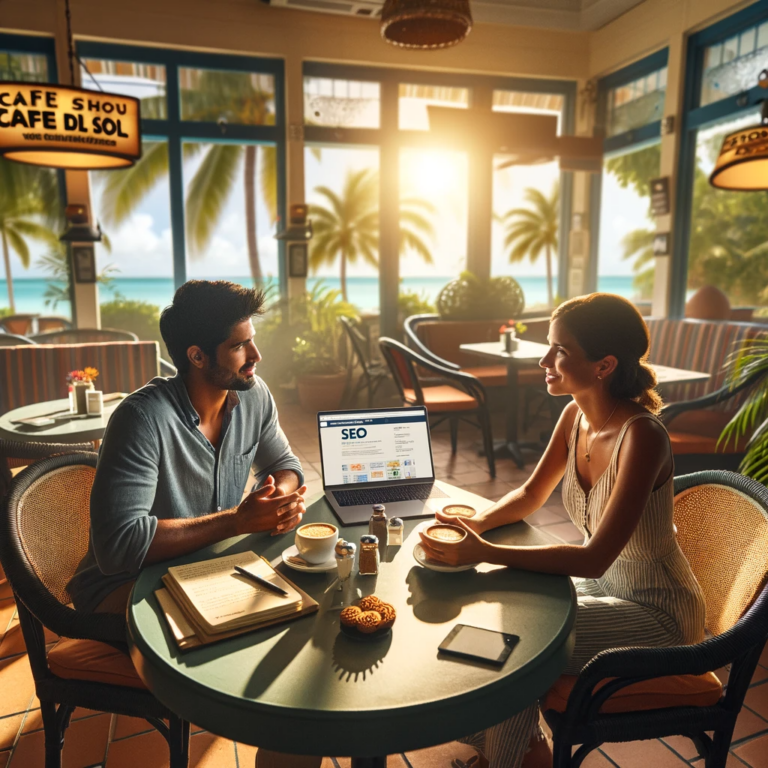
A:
[(342, 103)]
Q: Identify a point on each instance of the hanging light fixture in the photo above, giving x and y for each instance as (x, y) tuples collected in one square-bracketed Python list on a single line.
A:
[(61, 126), (425, 24), (742, 164)]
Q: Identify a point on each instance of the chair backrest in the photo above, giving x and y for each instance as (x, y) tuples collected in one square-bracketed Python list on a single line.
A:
[(356, 340), (722, 528), (401, 362), (83, 336), (14, 340), (52, 323), (20, 324)]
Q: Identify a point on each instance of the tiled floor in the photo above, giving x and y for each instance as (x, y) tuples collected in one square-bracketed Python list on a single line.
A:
[(96, 739)]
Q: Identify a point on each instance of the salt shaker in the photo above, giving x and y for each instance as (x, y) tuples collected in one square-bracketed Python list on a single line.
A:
[(395, 532), (369, 555), (345, 558), (377, 526)]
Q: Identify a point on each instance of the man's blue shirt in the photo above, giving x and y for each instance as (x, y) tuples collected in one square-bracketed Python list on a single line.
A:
[(155, 464)]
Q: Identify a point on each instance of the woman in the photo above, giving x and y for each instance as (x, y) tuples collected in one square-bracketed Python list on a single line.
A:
[(634, 585)]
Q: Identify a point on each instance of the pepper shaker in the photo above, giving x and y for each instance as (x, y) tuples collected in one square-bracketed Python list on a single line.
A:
[(377, 526), (369, 555), (345, 558)]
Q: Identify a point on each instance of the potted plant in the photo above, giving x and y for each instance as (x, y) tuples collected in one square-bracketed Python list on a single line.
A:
[(79, 383), (752, 417), (320, 376), (471, 298)]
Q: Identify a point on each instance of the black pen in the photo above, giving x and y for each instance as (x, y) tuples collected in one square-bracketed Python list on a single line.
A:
[(261, 582)]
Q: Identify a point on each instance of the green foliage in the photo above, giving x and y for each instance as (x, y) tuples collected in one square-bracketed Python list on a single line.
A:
[(533, 231), (636, 169), (56, 264), (470, 298), (139, 317), (346, 225), (752, 417), (413, 303), (638, 245), (5, 311)]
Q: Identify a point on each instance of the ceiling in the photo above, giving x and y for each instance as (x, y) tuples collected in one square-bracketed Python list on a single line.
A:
[(578, 15)]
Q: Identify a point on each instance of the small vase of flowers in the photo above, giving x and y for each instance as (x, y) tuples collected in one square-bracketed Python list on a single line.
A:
[(509, 332), (79, 383)]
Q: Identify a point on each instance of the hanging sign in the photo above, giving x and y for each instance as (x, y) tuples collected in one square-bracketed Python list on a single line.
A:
[(62, 127), (660, 196)]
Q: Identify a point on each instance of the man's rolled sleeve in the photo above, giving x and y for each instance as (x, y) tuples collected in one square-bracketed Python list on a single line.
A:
[(274, 451), (122, 527)]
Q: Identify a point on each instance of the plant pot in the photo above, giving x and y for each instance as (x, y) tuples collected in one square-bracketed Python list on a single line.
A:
[(321, 392), (77, 398)]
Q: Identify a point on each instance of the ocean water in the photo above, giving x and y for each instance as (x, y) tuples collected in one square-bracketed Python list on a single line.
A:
[(363, 291)]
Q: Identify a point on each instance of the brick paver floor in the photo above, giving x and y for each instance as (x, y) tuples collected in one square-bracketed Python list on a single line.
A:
[(97, 739)]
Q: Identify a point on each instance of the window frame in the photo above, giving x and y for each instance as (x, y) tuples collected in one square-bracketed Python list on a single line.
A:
[(693, 117), (389, 137), (176, 131), (625, 142)]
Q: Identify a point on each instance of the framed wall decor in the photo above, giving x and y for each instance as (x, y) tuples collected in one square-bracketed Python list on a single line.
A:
[(84, 263), (298, 260)]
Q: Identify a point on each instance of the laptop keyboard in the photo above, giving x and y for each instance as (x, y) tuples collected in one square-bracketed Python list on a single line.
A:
[(420, 492)]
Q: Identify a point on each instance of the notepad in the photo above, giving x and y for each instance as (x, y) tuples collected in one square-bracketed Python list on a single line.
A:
[(215, 598)]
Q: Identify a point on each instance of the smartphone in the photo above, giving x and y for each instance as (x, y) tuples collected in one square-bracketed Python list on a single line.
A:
[(486, 645)]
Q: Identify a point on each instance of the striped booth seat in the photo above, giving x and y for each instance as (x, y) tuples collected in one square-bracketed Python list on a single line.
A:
[(35, 373), (699, 345)]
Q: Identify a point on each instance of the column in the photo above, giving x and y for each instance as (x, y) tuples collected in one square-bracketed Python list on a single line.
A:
[(389, 212)]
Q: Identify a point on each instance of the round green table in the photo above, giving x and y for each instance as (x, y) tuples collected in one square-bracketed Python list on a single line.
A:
[(303, 688)]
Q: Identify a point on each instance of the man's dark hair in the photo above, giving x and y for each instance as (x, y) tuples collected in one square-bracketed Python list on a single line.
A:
[(203, 314)]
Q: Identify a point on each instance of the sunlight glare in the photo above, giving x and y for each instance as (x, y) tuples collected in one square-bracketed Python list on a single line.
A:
[(430, 174)]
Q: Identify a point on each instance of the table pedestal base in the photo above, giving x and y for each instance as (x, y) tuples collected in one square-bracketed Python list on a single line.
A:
[(369, 762), (503, 449)]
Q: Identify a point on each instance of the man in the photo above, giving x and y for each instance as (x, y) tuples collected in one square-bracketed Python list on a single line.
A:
[(176, 454)]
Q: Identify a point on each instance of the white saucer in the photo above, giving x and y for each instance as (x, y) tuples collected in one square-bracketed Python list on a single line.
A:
[(421, 559), (328, 565)]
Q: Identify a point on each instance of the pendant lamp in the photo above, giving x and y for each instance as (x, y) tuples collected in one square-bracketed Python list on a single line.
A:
[(425, 24), (60, 126), (742, 164)]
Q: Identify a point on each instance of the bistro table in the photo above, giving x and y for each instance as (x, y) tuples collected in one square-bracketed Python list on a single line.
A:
[(529, 352), (68, 428), (303, 688)]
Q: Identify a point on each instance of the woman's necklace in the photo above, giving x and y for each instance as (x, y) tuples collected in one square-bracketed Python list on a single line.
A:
[(586, 439)]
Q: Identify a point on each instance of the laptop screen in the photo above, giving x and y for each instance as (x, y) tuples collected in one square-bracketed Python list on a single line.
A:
[(375, 446)]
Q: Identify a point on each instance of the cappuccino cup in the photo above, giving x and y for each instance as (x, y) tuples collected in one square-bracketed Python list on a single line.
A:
[(444, 533), (316, 542)]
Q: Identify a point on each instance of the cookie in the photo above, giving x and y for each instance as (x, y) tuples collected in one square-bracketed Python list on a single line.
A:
[(350, 615), (369, 603), (388, 615), (368, 622)]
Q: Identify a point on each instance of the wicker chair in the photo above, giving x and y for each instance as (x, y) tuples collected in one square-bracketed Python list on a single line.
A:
[(85, 667), (452, 395), (373, 374), (14, 454), (83, 336), (627, 694)]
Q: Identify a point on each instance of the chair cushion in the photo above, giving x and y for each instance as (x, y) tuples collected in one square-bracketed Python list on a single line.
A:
[(443, 398), (93, 661), (657, 693)]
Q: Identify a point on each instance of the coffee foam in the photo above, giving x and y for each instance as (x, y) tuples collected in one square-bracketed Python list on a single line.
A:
[(459, 510), (445, 533), (317, 530)]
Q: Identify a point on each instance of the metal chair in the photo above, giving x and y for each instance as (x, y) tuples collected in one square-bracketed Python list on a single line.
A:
[(627, 694), (14, 340), (52, 323), (84, 668), (83, 336), (23, 325), (14, 454), (458, 396), (373, 373)]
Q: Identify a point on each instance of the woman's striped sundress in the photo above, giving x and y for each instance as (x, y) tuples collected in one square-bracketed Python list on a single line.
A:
[(647, 597)]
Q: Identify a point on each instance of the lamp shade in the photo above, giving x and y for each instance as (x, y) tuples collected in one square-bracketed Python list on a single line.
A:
[(743, 160), (62, 127), (425, 23)]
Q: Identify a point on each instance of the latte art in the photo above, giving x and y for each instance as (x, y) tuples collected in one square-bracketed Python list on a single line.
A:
[(459, 510), (445, 533), (317, 530)]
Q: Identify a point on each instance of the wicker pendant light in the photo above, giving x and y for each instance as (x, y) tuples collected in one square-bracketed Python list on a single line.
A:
[(425, 23)]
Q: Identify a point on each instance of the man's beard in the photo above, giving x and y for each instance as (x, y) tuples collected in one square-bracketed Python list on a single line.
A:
[(223, 378)]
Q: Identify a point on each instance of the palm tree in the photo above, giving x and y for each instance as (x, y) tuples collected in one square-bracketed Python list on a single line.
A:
[(347, 227), (531, 231), (29, 203), (212, 184), (638, 244)]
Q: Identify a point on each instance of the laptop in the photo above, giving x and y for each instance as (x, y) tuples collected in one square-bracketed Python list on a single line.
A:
[(379, 456)]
